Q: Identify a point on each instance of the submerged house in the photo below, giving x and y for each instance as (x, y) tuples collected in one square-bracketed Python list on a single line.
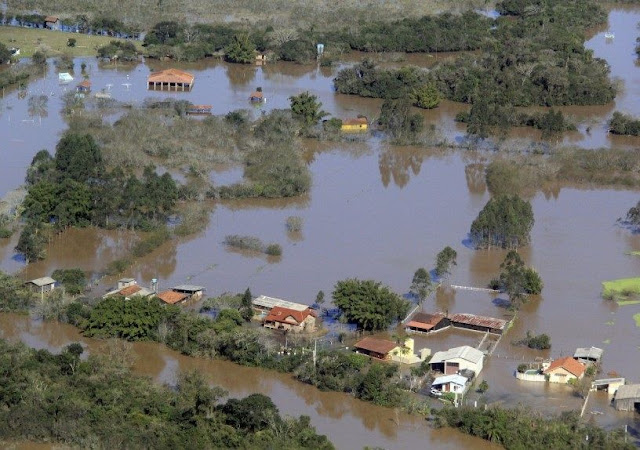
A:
[(375, 347), (84, 86), (286, 319), (170, 80), (172, 297), (192, 292), (129, 288), (478, 323), (42, 286), (264, 304), (457, 359), (257, 97), (357, 124), (627, 398), (562, 370)]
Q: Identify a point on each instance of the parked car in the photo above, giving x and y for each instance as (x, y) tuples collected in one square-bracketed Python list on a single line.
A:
[(435, 392)]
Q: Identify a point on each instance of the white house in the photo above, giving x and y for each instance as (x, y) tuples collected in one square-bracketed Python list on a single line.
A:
[(450, 383), (456, 359)]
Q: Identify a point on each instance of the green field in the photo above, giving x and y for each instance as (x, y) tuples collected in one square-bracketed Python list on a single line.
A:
[(28, 39), (636, 317), (622, 286)]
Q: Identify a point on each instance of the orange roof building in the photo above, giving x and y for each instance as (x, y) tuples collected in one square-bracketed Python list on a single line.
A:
[(376, 348), (256, 96), (423, 322), (280, 318), (170, 80), (562, 370), (172, 297)]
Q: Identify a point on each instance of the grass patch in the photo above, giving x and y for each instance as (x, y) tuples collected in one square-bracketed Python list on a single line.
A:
[(28, 39), (627, 302), (252, 243), (633, 253), (622, 286), (636, 317)]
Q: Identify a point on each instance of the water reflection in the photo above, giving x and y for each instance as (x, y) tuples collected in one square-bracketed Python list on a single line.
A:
[(399, 163)]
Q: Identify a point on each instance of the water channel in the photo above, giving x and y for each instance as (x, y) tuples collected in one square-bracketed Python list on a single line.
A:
[(375, 211)]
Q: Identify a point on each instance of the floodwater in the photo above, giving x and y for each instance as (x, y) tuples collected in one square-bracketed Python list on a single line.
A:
[(374, 212), (349, 423)]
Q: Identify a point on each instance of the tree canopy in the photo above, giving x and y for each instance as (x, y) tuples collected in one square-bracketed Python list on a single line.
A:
[(505, 221), (516, 279), (306, 107), (368, 303), (444, 260)]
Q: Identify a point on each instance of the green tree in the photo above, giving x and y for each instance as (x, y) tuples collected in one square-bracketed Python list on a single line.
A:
[(5, 53), (78, 157), (420, 285), (320, 298), (32, 243), (444, 260), (368, 304), (483, 387), (505, 221), (134, 320), (516, 279), (253, 413), (306, 107), (247, 305), (426, 96), (73, 280), (241, 50)]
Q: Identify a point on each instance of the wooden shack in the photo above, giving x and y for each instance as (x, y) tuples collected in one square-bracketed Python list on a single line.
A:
[(170, 80), (627, 398), (42, 285)]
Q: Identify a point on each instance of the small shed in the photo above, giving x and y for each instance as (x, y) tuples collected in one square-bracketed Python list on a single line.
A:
[(52, 23), (193, 292), (42, 286), (171, 80), (124, 282), (376, 348), (627, 398), (84, 86), (588, 355), (358, 124), (478, 323), (65, 77), (257, 97)]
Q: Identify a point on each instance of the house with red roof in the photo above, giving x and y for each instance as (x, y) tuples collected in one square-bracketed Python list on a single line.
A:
[(562, 370), (287, 319)]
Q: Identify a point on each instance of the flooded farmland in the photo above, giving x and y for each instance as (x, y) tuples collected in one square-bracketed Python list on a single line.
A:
[(374, 211)]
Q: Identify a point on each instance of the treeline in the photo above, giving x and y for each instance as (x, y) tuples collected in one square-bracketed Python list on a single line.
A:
[(487, 118), (82, 23), (624, 124), (505, 221), (79, 402), (75, 188), (524, 428)]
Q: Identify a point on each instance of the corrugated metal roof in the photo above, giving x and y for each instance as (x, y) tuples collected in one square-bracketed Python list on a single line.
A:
[(465, 352), (44, 281), (628, 391), (591, 353), (482, 321), (188, 288), (271, 302), (446, 379)]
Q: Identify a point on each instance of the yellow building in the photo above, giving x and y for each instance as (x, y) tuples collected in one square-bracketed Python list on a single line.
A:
[(357, 124)]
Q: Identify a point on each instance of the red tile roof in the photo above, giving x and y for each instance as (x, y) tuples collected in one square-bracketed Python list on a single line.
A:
[(85, 83), (371, 344), (280, 314), (256, 94), (171, 76), (171, 297), (569, 364), (51, 19), (129, 290)]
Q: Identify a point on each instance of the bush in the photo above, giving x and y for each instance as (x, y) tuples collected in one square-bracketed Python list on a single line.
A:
[(244, 242), (522, 368), (71, 42), (273, 250), (294, 223)]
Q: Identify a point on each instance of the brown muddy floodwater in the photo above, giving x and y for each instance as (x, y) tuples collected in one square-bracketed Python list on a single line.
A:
[(374, 212), (349, 423)]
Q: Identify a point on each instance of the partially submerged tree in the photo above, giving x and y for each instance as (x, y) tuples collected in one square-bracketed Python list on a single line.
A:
[(517, 280), (421, 285), (505, 221), (306, 107), (444, 260)]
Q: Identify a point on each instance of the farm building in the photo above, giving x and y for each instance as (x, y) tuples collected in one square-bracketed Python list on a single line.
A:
[(357, 124), (425, 323), (456, 359), (52, 23), (375, 347), (42, 285), (588, 355), (172, 297), (627, 398), (170, 80), (192, 292), (130, 291), (286, 319), (265, 304), (564, 369), (478, 323), (84, 86)]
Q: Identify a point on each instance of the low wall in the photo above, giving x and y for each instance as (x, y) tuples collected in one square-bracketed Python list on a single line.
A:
[(530, 377)]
